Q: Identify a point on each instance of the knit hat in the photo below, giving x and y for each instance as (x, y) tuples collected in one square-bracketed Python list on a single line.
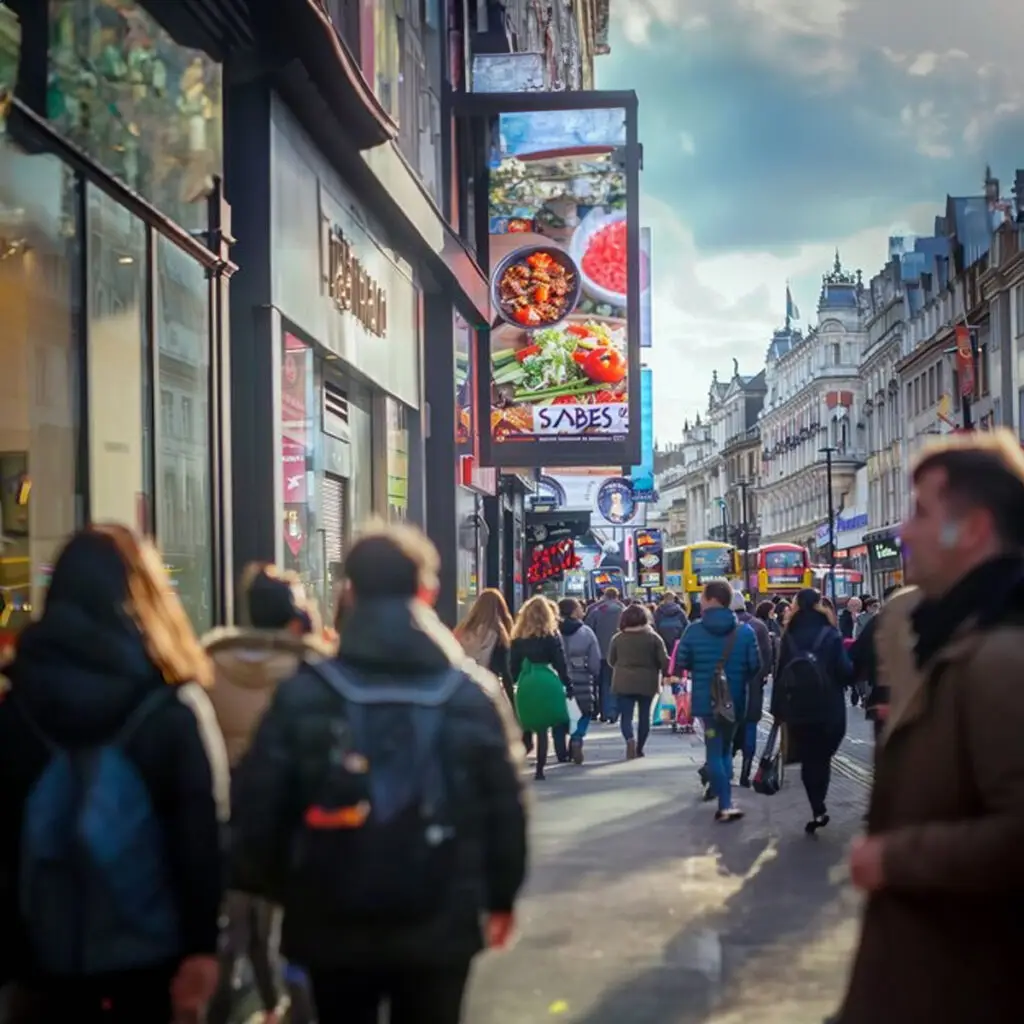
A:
[(273, 601)]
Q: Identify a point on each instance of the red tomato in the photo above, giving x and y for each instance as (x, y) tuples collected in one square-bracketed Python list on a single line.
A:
[(565, 400), (604, 262)]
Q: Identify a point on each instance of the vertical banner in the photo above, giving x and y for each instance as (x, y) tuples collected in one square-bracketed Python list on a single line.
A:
[(646, 303), (964, 360), (643, 474), (650, 562), (565, 267), (465, 380), (296, 413)]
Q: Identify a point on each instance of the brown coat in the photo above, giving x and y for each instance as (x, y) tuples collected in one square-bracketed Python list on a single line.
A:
[(248, 666), (638, 658), (942, 941)]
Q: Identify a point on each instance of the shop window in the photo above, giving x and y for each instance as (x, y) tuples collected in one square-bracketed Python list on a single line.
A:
[(386, 56), (397, 461), (143, 107), (10, 49), (41, 497), (182, 369), (120, 470)]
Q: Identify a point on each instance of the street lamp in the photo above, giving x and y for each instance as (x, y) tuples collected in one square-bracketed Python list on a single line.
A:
[(828, 452), (745, 527), (725, 521)]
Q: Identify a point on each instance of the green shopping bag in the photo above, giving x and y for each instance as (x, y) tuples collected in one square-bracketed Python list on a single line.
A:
[(540, 698)]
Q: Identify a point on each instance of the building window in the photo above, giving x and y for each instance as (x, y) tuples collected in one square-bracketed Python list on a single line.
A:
[(183, 368), (145, 108), (168, 428), (931, 386), (983, 383), (837, 355)]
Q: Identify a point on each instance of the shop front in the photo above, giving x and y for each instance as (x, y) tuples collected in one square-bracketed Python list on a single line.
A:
[(112, 270), (339, 316), (885, 558)]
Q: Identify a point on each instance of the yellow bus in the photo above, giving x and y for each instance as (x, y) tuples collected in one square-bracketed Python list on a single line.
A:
[(690, 566)]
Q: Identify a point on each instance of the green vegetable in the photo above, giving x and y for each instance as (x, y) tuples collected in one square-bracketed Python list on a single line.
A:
[(508, 375), (580, 387), (502, 356)]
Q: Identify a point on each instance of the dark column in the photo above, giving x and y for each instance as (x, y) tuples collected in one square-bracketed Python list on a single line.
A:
[(254, 349), (440, 456)]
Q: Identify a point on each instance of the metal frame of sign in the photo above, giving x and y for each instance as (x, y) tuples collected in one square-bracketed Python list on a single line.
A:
[(536, 454)]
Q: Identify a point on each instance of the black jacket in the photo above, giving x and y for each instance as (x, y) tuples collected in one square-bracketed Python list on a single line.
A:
[(670, 624), (499, 665), (387, 640), (541, 650), (865, 667), (79, 680)]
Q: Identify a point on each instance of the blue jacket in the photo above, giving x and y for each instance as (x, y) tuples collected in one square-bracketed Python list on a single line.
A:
[(700, 651)]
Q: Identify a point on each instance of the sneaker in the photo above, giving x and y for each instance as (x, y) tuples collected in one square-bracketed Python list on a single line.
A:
[(576, 751), (818, 821), (729, 816), (630, 750)]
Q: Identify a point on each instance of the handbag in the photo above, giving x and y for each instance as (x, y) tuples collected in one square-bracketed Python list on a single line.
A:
[(771, 769), (722, 706)]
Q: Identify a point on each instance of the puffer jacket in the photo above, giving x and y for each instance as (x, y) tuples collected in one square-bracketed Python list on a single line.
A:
[(384, 641), (583, 662), (701, 649), (249, 664)]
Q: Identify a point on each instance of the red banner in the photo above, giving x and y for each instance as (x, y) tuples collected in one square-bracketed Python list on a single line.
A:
[(964, 360)]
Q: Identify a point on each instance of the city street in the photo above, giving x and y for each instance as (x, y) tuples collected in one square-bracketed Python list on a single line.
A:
[(641, 909)]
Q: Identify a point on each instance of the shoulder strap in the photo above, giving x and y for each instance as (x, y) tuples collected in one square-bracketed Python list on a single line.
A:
[(727, 649), (819, 639), (142, 711), (351, 688)]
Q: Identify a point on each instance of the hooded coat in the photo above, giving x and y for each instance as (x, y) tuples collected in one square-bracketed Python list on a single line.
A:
[(583, 662)]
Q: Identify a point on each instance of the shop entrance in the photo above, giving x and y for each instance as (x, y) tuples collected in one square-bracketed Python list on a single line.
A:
[(335, 533)]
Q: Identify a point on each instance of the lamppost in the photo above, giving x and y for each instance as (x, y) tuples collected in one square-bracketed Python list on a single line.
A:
[(828, 452), (725, 520), (745, 527)]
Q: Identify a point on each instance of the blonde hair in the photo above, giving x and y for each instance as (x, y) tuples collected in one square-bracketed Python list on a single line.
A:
[(537, 618), (489, 613), (156, 610)]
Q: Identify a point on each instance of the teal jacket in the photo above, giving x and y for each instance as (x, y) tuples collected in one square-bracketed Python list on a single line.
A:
[(701, 649)]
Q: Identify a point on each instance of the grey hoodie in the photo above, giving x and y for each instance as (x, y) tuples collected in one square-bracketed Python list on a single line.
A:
[(603, 619)]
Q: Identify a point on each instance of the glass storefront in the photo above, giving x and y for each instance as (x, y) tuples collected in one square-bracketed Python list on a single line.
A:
[(397, 460), (146, 109)]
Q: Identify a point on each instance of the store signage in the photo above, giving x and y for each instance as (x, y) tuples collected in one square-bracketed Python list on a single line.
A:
[(783, 579), (650, 563), (353, 289), (548, 560), (883, 549)]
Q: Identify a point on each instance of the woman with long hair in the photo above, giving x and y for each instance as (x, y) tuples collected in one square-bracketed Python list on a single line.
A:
[(486, 636), (807, 696), (638, 659), (112, 674), (536, 647)]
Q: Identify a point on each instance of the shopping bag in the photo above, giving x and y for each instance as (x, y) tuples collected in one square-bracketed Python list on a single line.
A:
[(771, 771), (573, 710), (665, 708), (684, 705)]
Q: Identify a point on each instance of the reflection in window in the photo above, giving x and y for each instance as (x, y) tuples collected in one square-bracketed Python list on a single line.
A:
[(120, 474), (183, 359), (40, 496), (10, 51), (145, 108)]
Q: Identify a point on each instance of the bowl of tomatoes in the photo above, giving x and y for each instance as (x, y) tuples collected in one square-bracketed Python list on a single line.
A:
[(599, 246), (535, 287)]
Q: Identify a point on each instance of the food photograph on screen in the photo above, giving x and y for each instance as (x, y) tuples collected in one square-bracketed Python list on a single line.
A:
[(559, 253)]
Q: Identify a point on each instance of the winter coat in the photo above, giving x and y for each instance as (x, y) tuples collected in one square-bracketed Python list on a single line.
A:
[(865, 667), (803, 631), (755, 693), (603, 619), (80, 680), (941, 941), (491, 653), (638, 659), (388, 640), (249, 664), (701, 649), (670, 623), (583, 660), (862, 623)]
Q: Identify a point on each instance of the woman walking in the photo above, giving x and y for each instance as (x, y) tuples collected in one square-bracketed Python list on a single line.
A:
[(807, 696), (537, 661), (113, 673), (639, 659), (583, 657), (486, 636)]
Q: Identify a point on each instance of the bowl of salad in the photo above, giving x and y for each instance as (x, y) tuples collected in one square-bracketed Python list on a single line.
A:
[(535, 287), (599, 248)]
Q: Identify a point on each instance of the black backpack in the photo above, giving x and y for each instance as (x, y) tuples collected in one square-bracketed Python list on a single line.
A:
[(803, 691), (377, 843)]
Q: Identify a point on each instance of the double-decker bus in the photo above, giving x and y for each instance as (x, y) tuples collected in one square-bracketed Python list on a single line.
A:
[(689, 567), (849, 582), (783, 569)]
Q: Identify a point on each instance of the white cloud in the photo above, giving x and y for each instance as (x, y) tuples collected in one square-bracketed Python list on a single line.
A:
[(638, 17), (923, 64), (927, 129), (688, 145)]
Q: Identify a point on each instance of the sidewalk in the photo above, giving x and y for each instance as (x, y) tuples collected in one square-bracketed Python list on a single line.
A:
[(640, 909)]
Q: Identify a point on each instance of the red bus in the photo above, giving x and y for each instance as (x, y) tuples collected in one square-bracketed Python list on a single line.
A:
[(781, 569)]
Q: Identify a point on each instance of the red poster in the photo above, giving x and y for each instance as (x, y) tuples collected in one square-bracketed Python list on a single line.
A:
[(293, 468), (964, 360)]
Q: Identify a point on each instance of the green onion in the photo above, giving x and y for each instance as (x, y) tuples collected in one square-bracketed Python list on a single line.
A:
[(583, 387)]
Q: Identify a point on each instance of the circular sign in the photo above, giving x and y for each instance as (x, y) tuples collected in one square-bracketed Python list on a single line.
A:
[(615, 500)]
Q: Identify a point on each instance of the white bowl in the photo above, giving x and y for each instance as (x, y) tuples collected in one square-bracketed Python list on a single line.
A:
[(594, 222)]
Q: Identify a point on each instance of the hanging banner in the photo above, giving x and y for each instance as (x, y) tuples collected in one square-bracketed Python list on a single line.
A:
[(650, 563), (964, 360), (643, 475), (566, 272)]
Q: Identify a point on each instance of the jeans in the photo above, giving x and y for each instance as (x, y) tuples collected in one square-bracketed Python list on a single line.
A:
[(580, 732), (416, 995), (627, 707), (607, 704), (718, 737), (749, 737)]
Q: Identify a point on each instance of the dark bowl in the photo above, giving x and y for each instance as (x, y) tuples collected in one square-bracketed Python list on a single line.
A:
[(517, 256)]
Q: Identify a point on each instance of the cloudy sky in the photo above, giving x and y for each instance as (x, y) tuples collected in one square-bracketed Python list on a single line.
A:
[(776, 130)]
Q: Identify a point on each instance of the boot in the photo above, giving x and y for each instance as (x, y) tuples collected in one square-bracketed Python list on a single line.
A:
[(748, 761)]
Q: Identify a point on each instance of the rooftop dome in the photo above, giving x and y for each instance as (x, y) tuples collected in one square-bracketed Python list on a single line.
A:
[(839, 289)]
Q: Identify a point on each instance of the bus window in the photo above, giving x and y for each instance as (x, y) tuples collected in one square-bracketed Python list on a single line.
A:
[(711, 563), (784, 559)]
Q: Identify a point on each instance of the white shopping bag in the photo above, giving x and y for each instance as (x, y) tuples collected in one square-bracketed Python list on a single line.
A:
[(574, 713)]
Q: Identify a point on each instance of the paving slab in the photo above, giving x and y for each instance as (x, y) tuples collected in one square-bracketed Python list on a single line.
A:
[(641, 909)]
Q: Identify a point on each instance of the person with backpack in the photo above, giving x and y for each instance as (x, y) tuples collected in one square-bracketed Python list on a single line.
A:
[(807, 697), (722, 657), (486, 635), (670, 621), (249, 663), (542, 680), (113, 796), (381, 803), (583, 660), (603, 619), (745, 740)]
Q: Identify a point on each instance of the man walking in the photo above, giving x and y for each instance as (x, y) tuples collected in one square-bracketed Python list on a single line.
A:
[(603, 619), (941, 863), (381, 803), (745, 740)]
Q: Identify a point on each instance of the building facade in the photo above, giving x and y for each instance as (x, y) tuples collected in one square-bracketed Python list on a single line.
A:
[(813, 408)]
